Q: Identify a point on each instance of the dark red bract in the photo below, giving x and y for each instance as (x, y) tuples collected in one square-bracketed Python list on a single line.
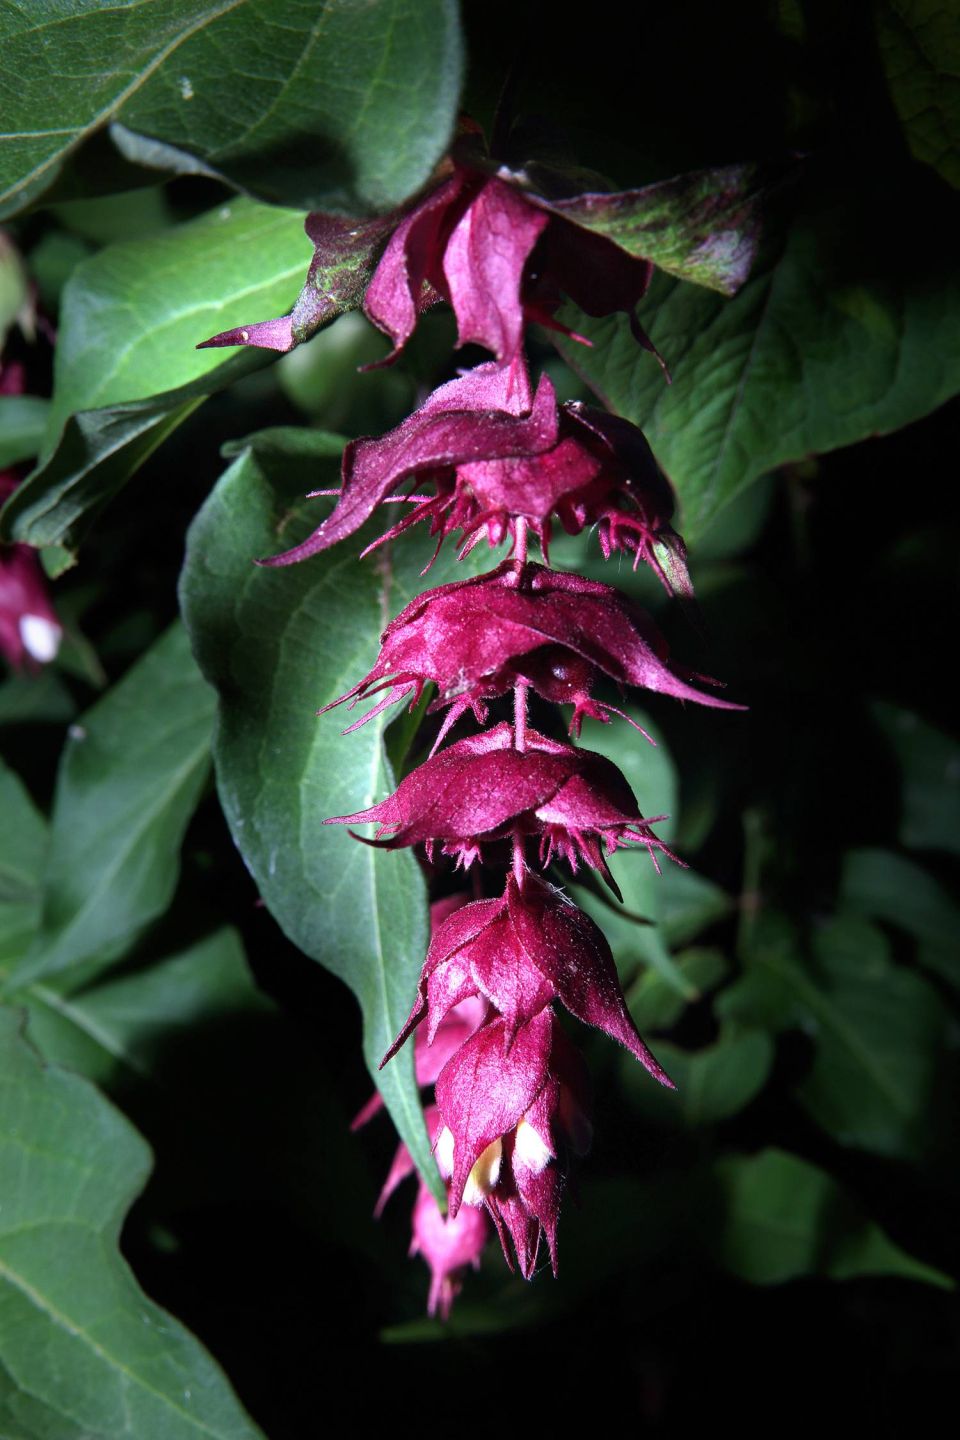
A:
[(483, 789), (474, 639)]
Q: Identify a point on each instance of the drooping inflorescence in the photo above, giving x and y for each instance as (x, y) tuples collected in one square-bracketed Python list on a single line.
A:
[(492, 455)]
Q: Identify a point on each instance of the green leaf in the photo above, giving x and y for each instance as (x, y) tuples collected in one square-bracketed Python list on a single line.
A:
[(891, 888), (23, 420), (127, 368), (712, 1083), (84, 1355), (701, 227), (930, 792), (131, 774), (23, 848), (652, 776), (688, 903), (783, 1218), (920, 48), (653, 1000), (320, 105), (877, 1030), (846, 333), (35, 699), (106, 1032), (278, 644), (876, 1088)]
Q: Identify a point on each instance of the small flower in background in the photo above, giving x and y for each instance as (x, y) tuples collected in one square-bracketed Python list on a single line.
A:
[(30, 632), (450, 1244)]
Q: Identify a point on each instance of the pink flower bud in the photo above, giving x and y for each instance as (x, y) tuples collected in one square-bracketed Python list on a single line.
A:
[(511, 1119), (520, 953), (30, 632)]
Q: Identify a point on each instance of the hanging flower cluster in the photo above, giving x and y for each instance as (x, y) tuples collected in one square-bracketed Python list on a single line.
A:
[(491, 455)]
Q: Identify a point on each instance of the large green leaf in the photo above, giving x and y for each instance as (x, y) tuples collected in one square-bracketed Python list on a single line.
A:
[(111, 1030), (712, 1083), (130, 776), (783, 1218), (277, 644), (127, 370), (892, 888), (920, 46), (23, 848), (318, 104), (23, 421), (84, 1355), (930, 788), (877, 1030), (848, 332)]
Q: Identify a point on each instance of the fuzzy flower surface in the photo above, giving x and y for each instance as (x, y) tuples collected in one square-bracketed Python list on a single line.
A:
[(475, 639), (505, 246), (496, 455), (483, 789)]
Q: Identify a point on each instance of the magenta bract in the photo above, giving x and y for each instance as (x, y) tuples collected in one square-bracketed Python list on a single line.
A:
[(510, 1121), (483, 789), (474, 639), (487, 411), (521, 952), (30, 632), (496, 454)]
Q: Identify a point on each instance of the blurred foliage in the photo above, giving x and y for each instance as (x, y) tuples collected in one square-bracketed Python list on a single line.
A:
[(785, 1223)]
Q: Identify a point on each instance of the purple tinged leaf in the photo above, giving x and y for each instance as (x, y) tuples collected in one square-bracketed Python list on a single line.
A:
[(264, 334), (703, 227), (344, 259)]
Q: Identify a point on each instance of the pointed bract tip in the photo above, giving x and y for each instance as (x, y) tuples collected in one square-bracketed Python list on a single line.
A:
[(264, 335)]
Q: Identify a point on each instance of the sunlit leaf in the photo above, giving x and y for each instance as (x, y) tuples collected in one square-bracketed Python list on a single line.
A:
[(127, 368), (301, 104)]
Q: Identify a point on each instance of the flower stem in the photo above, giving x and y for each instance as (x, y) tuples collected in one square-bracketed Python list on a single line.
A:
[(520, 540), (519, 862), (520, 715)]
